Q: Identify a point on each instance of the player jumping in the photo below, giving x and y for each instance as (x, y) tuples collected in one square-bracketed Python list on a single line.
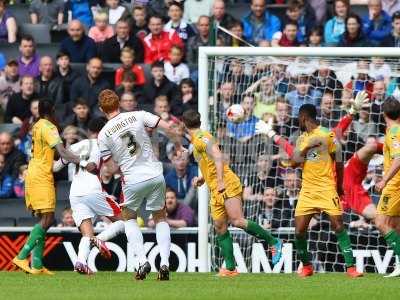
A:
[(40, 193), (317, 150), (124, 139), (388, 213), (355, 197), (226, 195), (88, 200)]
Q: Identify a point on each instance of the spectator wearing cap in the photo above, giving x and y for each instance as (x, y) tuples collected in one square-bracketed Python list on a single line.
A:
[(260, 25), (177, 23), (378, 24), (47, 12), (18, 107), (90, 85), (201, 39), (158, 42), (9, 82), (110, 51), (353, 35), (159, 85), (393, 39), (49, 86), (13, 157), (68, 75), (8, 25), (28, 62), (78, 45), (336, 26)]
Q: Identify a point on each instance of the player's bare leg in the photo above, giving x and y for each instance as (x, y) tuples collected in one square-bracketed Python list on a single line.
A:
[(344, 244), (86, 229), (135, 239), (163, 235), (369, 212), (224, 240), (301, 224), (115, 228), (233, 207), (388, 227)]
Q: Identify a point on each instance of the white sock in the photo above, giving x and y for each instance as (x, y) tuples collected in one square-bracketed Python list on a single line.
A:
[(135, 238), (84, 249), (163, 235), (112, 231)]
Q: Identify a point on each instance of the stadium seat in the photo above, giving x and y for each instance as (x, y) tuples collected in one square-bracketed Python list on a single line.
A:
[(10, 128), (48, 49), (9, 222), (9, 50), (40, 32), (20, 12), (26, 222), (62, 190)]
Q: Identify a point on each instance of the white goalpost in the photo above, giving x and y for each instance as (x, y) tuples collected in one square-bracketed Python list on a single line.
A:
[(215, 65)]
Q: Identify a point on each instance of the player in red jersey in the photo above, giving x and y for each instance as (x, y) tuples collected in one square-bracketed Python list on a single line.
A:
[(355, 196)]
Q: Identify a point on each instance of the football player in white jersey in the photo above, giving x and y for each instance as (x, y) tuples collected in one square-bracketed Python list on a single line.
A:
[(125, 140), (88, 200)]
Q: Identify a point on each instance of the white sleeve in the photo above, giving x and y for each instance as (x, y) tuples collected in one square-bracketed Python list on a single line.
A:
[(105, 151), (150, 120)]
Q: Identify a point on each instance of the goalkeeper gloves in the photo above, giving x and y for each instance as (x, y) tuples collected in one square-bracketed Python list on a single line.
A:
[(359, 102), (265, 128)]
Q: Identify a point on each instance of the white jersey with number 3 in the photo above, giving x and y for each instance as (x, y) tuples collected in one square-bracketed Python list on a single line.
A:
[(125, 139)]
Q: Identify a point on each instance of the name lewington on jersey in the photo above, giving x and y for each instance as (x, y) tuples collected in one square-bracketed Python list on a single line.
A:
[(120, 125)]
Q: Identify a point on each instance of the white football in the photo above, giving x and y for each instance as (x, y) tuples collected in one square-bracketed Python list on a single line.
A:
[(235, 113)]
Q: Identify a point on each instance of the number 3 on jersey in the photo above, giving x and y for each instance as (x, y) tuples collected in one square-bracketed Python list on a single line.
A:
[(130, 142)]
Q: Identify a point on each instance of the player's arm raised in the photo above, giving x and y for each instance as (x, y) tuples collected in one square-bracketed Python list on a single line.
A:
[(169, 130)]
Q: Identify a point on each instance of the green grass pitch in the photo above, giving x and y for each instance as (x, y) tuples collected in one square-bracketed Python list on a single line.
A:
[(111, 285)]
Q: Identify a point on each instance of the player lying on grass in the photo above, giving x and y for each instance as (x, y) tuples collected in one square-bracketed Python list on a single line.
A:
[(40, 196), (124, 140), (88, 200), (319, 154), (355, 197), (226, 194), (388, 212)]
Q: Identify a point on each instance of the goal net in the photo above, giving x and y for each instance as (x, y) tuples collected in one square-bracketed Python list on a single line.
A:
[(269, 84)]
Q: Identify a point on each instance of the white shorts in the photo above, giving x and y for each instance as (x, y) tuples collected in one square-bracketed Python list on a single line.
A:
[(91, 206), (152, 191)]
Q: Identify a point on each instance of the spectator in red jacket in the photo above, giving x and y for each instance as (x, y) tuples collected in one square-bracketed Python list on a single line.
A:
[(158, 42), (127, 59)]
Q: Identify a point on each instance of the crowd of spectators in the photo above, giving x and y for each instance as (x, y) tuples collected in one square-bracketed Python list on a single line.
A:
[(163, 37)]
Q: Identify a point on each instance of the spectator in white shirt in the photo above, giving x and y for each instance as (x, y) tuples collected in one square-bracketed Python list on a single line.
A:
[(175, 69)]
